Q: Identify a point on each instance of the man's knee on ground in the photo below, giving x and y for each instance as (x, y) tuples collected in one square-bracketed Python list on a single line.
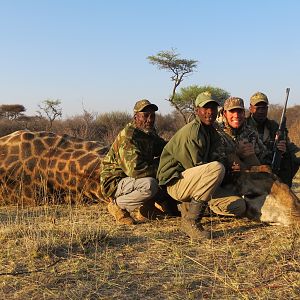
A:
[(238, 207), (228, 206)]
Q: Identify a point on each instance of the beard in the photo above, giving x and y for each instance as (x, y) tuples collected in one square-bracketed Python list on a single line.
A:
[(148, 130)]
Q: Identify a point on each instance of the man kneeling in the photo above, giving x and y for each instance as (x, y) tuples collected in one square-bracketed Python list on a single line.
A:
[(129, 168)]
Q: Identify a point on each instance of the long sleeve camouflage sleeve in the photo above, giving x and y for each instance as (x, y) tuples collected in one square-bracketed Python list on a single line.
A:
[(134, 153)]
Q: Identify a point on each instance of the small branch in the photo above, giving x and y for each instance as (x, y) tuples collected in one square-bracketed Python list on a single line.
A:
[(16, 273)]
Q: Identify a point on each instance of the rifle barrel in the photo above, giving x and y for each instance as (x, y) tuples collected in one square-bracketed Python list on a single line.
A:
[(285, 105), (276, 154)]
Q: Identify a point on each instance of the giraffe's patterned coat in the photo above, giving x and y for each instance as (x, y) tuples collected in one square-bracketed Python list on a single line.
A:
[(35, 163)]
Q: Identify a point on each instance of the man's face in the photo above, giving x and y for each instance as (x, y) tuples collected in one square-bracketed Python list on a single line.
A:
[(235, 117), (208, 113), (145, 120), (259, 111)]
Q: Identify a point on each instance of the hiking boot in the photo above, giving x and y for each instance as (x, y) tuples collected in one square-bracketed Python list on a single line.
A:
[(147, 211), (138, 216), (183, 208), (191, 215), (121, 216)]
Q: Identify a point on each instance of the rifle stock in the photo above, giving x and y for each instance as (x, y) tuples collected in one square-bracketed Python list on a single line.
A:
[(280, 135)]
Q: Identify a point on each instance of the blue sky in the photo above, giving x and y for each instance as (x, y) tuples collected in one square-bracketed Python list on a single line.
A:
[(92, 54)]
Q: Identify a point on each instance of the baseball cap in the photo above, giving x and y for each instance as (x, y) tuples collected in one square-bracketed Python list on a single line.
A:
[(142, 104), (204, 98), (234, 102), (258, 97)]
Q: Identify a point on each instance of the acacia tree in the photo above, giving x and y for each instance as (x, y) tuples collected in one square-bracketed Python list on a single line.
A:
[(51, 108), (186, 97), (11, 111), (179, 67)]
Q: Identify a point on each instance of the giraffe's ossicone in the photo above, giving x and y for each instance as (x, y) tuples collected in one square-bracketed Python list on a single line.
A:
[(36, 167)]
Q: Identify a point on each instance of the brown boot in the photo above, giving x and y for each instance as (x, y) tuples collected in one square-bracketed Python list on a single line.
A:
[(138, 216), (121, 216), (191, 215), (146, 212), (183, 208)]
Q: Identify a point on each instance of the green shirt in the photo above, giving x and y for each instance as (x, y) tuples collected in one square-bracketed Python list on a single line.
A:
[(192, 145)]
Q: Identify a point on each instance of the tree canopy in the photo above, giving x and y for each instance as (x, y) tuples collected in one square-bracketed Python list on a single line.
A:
[(51, 108), (179, 67), (11, 111), (186, 97)]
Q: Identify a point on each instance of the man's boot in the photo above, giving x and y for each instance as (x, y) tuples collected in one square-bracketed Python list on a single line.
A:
[(191, 215), (146, 212), (121, 216), (183, 207)]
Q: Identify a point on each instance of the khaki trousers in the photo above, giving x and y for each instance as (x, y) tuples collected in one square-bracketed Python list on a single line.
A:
[(197, 183), (225, 203)]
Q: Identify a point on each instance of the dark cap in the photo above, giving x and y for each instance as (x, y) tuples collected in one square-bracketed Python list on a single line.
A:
[(204, 98), (234, 102), (142, 104), (258, 97)]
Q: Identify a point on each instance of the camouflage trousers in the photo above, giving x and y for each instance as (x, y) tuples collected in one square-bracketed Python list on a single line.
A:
[(132, 193)]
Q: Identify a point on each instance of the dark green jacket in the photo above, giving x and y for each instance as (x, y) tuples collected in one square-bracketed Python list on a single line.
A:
[(134, 153), (290, 160), (266, 131), (191, 146)]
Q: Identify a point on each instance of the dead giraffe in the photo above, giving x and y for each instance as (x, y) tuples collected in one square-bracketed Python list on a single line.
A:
[(34, 165), (38, 163)]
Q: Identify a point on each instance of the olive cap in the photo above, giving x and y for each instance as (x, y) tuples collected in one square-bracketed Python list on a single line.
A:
[(204, 98), (258, 97)]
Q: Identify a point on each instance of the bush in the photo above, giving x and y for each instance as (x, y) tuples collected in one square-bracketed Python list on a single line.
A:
[(110, 124), (168, 124)]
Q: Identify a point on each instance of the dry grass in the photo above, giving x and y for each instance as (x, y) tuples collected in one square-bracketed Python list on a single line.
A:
[(68, 252)]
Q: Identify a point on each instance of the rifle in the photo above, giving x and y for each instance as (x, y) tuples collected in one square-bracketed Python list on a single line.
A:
[(280, 135)]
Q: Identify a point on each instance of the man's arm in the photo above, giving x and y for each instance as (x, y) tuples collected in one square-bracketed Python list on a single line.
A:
[(133, 161)]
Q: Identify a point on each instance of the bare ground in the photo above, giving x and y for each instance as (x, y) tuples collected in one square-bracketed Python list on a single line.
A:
[(69, 252)]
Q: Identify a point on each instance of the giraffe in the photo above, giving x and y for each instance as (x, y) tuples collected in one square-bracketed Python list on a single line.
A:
[(33, 165), (267, 198), (36, 165)]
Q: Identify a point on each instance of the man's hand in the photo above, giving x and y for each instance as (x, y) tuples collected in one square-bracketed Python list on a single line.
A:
[(235, 167), (281, 146), (245, 149)]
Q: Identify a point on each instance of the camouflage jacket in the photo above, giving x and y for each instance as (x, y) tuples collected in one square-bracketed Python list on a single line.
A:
[(191, 146), (230, 138), (267, 132), (134, 153)]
